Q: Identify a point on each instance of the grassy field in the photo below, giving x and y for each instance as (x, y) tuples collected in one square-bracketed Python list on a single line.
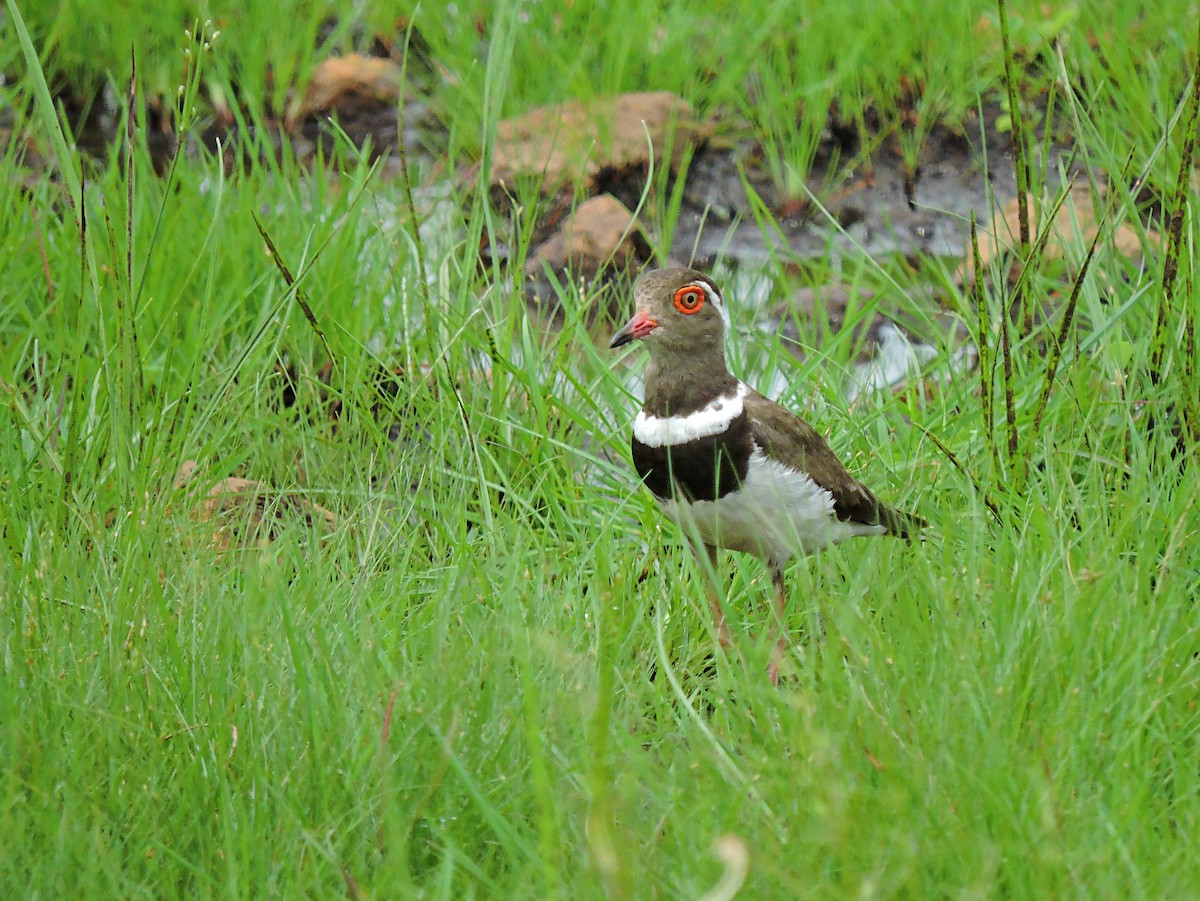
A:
[(494, 675)]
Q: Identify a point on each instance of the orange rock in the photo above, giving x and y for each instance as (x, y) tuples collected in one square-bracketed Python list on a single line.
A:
[(600, 232), (350, 81), (244, 512), (1074, 224), (574, 141)]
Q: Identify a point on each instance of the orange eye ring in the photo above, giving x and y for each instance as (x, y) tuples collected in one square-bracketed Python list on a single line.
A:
[(689, 299)]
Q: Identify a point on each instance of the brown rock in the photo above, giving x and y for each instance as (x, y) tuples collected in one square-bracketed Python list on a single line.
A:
[(574, 141), (245, 512), (601, 240), (1075, 223), (347, 84), (600, 232)]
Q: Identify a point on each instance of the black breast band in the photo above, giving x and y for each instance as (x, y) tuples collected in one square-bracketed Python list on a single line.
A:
[(702, 469)]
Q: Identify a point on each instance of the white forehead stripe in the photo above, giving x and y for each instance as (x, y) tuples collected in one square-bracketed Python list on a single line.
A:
[(715, 299), (712, 419)]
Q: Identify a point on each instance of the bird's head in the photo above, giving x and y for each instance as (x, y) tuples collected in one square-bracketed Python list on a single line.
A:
[(678, 312)]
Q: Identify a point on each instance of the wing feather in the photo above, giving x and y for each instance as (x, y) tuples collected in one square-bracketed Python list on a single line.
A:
[(785, 437)]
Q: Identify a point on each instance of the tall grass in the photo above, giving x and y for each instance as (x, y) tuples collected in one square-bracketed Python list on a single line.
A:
[(494, 676)]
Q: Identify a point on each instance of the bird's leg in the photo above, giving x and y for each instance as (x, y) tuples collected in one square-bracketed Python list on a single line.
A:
[(714, 599), (780, 605)]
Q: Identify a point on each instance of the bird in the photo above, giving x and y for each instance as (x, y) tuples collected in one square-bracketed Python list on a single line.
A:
[(732, 468)]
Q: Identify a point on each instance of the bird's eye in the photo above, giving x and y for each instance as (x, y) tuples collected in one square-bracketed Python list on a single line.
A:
[(689, 299)]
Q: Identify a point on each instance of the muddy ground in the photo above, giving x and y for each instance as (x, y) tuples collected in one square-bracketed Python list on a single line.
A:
[(591, 165)]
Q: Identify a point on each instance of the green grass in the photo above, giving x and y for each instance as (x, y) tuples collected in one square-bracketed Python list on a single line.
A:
[(492, 678)]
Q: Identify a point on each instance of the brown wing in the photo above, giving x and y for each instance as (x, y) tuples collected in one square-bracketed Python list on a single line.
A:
[(785, 437)]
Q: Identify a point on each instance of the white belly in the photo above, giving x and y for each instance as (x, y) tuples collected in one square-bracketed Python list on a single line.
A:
[(776, 513)]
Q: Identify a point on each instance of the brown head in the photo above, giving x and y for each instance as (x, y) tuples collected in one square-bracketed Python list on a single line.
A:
[(682, 319), (678, 312)]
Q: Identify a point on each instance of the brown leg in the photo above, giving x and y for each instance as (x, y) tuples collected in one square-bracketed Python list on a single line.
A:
[(780, 606), (714, 598)]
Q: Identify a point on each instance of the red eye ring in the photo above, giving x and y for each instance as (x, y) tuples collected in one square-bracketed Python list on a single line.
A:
[(689, 299)]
